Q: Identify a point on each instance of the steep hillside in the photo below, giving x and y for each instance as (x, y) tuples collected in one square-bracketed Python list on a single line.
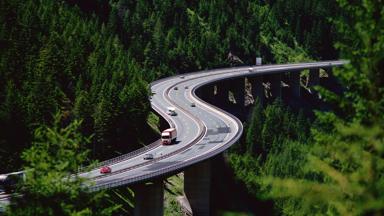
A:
[(54, 59), (92, 60)]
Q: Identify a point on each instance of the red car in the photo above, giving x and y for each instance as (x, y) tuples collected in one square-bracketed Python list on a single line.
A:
[(105, 169)]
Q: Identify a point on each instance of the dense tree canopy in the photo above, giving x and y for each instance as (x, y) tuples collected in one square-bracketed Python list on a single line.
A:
[(49, 187), (92, 61), (55, 60), (339, 169)]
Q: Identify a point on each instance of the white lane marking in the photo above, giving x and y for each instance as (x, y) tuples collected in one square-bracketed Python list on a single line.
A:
[(267, 67)]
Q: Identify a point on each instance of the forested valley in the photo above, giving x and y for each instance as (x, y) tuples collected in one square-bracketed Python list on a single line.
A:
[(77, 73)]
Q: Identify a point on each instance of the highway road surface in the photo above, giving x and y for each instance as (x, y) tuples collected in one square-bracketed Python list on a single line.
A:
[(203, 131)]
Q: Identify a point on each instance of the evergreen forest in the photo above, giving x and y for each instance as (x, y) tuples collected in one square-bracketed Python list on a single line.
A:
[(75, 86)]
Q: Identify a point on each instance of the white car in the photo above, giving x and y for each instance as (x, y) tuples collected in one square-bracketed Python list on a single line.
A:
[(171, 111)]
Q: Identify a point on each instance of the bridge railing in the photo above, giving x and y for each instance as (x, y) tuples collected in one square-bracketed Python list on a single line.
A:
[(181, 165), (121, 157)]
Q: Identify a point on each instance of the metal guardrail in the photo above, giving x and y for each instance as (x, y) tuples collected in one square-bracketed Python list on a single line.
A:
[(209, 154), (132, 153), (121, 157), (166, 170), (194, 141), (181, 165)]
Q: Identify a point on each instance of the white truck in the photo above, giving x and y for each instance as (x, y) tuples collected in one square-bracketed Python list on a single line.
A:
[(168, 136), (171, 111)]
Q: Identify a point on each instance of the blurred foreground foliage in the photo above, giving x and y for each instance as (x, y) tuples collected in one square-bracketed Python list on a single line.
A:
[(338, 169), (49, 187)]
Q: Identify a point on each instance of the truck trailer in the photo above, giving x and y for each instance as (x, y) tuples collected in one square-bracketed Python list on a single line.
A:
[(168, 136)]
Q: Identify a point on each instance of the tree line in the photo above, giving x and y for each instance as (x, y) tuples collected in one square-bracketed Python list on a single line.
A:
[(54, 60), (335, 164), (92, 62)]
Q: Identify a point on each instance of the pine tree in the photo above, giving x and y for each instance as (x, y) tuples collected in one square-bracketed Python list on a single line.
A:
[(49, 188), (343, 174), (253, 139)]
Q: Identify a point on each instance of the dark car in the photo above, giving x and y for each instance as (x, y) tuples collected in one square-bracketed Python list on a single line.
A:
[(148, 157), (9, 182)]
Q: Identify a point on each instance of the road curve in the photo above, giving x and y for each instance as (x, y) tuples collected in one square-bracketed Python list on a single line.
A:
[(203, 131)]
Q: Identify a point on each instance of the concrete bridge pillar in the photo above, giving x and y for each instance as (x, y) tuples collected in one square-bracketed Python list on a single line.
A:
[(294, 83), (149, 198), (257, 88), (199, 93), (222, 92), (208, 93), (275, 80), (329, 71), (238, 90), (197, 187), (314, 77)]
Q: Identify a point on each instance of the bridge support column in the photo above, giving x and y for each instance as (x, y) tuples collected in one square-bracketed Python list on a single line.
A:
[(257, 88), (211, 93), (275, 80), (149, 198), (207, 93), (329, 71), (238, 90), (222, 92), (294, 83), (314, 77), (197, 186)]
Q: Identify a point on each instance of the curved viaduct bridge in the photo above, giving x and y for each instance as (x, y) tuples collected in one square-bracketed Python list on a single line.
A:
[(203, 131)]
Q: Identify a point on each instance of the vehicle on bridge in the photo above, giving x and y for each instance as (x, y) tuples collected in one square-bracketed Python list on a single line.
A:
[(171, 111), (8, 183), (148, 156), (168, 136), (105, 170)]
